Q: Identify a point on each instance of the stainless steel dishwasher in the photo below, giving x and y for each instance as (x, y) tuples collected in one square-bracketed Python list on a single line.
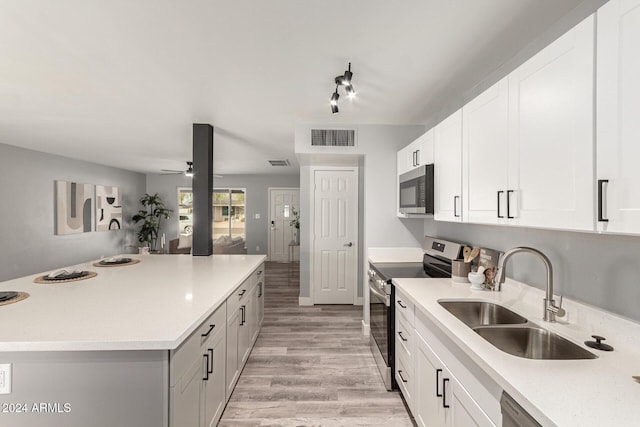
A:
[(513, 415)]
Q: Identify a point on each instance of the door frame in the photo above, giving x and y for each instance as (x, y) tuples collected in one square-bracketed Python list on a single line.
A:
[(312, 239), (269, 189)]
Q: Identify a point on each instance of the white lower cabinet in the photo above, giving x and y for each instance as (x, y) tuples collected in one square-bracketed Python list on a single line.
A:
[(213, 389), (197, 375), (245, 311), (439, 398), (441, 385), (204, 370)]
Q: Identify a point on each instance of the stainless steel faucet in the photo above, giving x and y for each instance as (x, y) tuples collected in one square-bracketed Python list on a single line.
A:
[(551, 310)]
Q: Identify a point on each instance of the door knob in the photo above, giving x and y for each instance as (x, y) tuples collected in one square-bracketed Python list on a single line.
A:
[(348, 244)]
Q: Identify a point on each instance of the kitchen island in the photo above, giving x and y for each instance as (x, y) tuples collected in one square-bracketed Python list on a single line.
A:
[(117, 349)]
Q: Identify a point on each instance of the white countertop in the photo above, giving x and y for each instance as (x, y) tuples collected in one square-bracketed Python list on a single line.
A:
[(153, 305), (395, 254), (597, 392)]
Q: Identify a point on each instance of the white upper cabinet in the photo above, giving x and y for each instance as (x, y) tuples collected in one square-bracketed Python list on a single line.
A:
[(418, 153), (447, 156), (485, 147), (618, 123), (551, 141)]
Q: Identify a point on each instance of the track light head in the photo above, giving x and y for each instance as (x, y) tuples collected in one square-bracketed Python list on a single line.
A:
[(351, 92), (334, 97), (334, 109)]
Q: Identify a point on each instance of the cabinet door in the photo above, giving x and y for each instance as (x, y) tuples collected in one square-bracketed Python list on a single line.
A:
[(406, 159), (233, 351), (185, 397), (244, 331), (618, 127), (551, 163), (447, 151), (213, 383), (463, 410), (429, 391), (423, 147), (254, 315), (260, 303), (485, 141)]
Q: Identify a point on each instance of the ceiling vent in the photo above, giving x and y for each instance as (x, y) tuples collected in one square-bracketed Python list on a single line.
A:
[(279, 162), (333, 137)]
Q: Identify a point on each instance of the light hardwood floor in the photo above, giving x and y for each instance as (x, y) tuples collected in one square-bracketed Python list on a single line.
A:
[(310, 367)]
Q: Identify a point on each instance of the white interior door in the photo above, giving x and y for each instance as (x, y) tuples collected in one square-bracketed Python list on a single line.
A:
[(335, 230), (281, 204)]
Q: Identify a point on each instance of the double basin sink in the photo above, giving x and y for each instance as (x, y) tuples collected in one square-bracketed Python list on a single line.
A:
[(512, 333)]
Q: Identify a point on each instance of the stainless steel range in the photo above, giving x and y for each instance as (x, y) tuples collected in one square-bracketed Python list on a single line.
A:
[(436, 262)]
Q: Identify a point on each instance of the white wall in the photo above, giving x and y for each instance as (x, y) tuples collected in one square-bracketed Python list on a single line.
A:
[(257, 199), (27, 227)]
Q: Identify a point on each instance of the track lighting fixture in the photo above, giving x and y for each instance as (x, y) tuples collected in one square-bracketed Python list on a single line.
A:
[(343, 80)]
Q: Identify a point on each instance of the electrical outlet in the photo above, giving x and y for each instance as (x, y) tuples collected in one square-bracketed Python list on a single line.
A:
[(257, 248), (5, 378), (257, 216)]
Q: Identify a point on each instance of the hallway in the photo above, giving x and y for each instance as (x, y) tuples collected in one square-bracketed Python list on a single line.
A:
[(310, 367)]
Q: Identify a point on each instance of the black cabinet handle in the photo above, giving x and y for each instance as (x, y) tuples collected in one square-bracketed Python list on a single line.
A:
[(242, 293), (417, 157), (259, 289), (205, 359), (438, 372), (455, 206), (499, 192), (509, 204), (444, 392), (401, 337), (243, 308), (401, 377), (413, 161), (601, 183), (210, 357), (211, 327), (401, 304)]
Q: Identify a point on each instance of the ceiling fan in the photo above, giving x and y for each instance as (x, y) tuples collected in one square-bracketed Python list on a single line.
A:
[(188, 172)]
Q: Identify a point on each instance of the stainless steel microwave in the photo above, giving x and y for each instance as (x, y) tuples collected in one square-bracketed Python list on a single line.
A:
[(416, 191)]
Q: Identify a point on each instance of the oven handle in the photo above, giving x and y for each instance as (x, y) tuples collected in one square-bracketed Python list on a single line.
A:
[(387, 300)]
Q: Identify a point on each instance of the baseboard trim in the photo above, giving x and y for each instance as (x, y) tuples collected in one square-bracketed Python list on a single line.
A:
[(305, 301), (366, 329)]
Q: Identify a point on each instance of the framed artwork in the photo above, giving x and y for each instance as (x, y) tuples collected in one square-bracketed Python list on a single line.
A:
[(108, 208), (74, 207)]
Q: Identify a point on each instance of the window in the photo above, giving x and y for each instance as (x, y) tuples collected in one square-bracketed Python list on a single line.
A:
[(228, 211)]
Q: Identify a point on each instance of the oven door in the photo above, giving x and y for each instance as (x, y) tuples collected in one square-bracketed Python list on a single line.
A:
[(381, 321), (379, 317)]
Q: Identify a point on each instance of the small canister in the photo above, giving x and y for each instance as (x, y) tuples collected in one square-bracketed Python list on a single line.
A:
[(460, 271)]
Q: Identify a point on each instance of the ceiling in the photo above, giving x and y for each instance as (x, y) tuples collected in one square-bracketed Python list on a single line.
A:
[(121, 82)]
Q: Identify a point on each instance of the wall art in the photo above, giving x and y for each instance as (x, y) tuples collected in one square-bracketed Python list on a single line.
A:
[(108, 208), (74, 207)]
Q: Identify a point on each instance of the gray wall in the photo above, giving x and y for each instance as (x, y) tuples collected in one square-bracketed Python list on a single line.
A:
[(257, 198), (600, 270), (27, 227)]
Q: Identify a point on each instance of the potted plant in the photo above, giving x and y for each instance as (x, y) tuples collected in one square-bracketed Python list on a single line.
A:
[(295, 223), (151, 215)]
